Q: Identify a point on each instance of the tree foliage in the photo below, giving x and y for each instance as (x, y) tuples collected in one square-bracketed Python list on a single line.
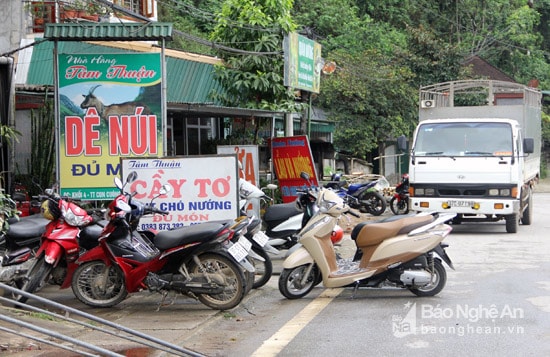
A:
[(369, 99), (253, 78), (384, 50)]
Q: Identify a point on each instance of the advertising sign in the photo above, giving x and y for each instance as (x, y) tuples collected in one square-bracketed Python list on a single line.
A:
[(249, 160), (303, 63), (202, 189), (110, 106), (292, 156)]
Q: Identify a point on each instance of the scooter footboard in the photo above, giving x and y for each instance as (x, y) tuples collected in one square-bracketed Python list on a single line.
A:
[(299, 257)]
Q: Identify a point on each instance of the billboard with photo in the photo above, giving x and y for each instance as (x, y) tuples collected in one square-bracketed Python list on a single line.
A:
[(110, 106)]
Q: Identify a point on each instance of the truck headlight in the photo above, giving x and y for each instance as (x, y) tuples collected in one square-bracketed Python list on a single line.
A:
[(424, 191), (503, 192), (429, 192)]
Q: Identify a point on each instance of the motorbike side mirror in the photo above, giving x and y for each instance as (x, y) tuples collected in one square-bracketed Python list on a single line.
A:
[(304, 175), (118, 183), (165, 189), (132, 176)]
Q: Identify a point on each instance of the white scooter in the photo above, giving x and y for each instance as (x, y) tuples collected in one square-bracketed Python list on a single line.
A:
[(284, 221), (403, 252)]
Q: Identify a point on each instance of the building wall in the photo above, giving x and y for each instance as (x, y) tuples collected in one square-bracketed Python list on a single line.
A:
[(11, 18)]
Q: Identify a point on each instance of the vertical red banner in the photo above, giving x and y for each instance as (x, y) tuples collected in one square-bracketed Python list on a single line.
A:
[(291, 156)]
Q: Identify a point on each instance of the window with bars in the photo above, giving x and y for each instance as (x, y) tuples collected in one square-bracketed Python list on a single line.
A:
[(142, 7)]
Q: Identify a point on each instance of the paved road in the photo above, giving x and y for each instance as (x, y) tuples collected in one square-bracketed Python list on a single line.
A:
[(264, 313)]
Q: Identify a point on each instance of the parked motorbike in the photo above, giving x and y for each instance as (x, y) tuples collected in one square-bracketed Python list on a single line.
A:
[(403, 252), (364, 196), (260, 243), (282, 222), (26, 205), (198, 260), (18, 246), (68, 225), (19, 241), (399, 203)]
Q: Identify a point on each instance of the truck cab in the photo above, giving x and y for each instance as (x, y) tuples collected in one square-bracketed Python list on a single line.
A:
[(478, 161)]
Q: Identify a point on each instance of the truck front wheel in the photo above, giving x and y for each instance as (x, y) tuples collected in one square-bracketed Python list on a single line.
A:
[(528, 211), (512, 223)]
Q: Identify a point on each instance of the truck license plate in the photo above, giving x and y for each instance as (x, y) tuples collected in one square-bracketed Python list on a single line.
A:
[(455, 203)]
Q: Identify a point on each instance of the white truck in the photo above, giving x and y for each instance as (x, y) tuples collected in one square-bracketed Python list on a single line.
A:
[(476, 151)]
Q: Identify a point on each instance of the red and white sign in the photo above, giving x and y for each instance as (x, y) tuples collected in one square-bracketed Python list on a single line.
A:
[(291, 156), (203, 188)]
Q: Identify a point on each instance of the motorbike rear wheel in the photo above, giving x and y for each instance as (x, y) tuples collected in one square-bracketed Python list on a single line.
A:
[(36, 278), (373, 203), (232, 275), (290, 281), (264, 269), (399, 206), (439, 278), (91, 287)]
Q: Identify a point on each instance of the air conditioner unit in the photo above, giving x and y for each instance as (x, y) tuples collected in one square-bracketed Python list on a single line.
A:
[(427, 104)]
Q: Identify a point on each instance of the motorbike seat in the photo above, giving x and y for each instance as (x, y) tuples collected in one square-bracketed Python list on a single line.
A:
[(89, 235), (281, 212), (372, 233), (27, 227), (336, 185), (203, 232)]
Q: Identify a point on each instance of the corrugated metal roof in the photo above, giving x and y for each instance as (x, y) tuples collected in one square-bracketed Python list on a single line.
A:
[(126, 31), (187, 81)]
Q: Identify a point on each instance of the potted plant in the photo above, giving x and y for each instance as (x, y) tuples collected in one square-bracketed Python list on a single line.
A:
[(39, 13), (82, 9)]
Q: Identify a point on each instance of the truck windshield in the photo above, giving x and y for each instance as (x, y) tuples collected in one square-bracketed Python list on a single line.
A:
[(464, 139)]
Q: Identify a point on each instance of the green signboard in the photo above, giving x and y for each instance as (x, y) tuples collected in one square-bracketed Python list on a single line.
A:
[(303, 63)]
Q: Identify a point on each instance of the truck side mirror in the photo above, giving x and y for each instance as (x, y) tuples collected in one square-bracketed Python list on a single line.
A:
[(528, 145), (402, 143)]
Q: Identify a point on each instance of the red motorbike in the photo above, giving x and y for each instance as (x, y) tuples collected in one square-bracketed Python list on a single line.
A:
[(198, 260), (26, 205), (59, 246), (399, 203)]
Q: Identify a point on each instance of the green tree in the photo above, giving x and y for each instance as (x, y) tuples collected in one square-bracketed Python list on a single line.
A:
[(193, 19), (253, 77), (369, 99)]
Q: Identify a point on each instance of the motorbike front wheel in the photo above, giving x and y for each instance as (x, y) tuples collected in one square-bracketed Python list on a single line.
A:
[(373, 203), (36, 278), (264, 269), (232, 276), (92, 287), (439, 278), (399, 206), (291, 283)]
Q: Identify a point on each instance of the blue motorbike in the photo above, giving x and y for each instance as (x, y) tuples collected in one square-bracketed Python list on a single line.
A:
[(364, 196)]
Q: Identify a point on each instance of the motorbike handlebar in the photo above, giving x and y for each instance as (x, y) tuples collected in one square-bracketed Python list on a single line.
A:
[(152, 209)]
